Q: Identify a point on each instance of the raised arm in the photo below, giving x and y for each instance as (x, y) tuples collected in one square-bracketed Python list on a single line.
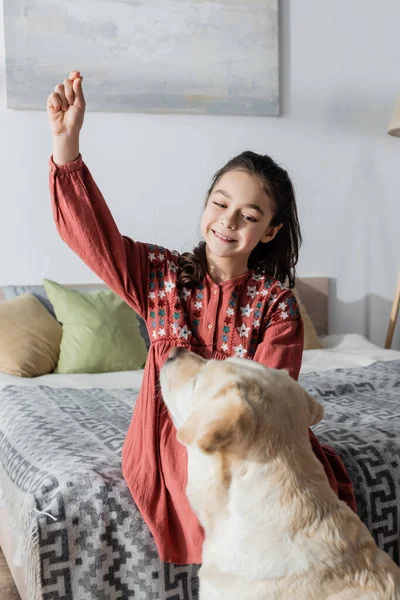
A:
[(80, 211), (86, 225)]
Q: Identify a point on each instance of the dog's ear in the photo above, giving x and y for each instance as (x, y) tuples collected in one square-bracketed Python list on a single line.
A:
[(229, 426), (316, 410), (229, 430)]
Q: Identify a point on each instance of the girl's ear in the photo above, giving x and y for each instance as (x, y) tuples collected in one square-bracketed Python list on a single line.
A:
[(271, 233)]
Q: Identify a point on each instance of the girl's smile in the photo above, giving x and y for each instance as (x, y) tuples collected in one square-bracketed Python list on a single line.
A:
[(223, 238)]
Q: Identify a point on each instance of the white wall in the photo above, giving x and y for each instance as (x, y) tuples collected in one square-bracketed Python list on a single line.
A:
[(340, 81)]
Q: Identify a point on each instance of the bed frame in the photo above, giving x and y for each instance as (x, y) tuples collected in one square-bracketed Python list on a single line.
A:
[(314, 293)]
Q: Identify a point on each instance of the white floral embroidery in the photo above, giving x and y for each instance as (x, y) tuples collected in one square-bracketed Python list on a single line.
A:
[(256, 323), (174, 328), (230, 311), (258, 277), (251, 291), (282, 305), (284, 314), (169, 285), (246, 310), (240, 351), (154, 334), (161, 294), (185, 293), (152, 295), (184, 332), (264, 292), (172, 266), (272, 298), (198, 304), (161, 256), (175, 252), (152, 256), (224, 347), (243, 330), (161, 332)]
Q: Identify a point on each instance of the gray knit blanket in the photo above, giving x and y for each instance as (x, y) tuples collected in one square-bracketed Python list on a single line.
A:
[(80, 533)]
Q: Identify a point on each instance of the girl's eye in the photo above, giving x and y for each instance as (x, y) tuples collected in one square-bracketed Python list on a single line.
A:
[(245, 217)]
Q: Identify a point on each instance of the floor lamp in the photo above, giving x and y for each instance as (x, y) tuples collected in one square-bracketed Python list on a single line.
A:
[(394, 129)]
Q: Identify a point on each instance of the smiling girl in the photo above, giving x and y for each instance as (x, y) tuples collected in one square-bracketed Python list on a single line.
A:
[(226, 298)]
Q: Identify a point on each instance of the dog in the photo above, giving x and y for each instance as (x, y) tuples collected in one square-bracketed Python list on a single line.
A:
[(274, 529)]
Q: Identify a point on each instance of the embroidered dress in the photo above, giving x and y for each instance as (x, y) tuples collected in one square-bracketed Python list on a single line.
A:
[(252, 316)]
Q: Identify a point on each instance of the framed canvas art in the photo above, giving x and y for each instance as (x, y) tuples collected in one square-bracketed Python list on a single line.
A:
[(155, 56)]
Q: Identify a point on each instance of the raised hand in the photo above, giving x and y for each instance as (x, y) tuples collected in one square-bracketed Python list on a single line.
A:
[(66, 106)]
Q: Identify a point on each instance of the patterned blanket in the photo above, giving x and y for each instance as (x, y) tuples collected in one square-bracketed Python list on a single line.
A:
[(60, 477)]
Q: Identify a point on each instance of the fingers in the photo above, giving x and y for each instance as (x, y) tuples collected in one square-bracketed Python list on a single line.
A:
[(60, 90), (69, 83), (69, 92), (54, 102), (78, 92)]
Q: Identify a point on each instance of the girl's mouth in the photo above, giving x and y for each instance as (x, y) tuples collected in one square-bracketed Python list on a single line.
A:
[(223, 238)]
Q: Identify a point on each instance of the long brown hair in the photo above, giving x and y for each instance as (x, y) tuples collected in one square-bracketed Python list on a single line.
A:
[(277, 258)]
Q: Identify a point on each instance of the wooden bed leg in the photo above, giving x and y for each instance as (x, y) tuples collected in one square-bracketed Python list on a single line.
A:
[(393, 316)]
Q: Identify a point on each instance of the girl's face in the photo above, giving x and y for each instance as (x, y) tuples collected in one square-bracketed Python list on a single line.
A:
[(237, 217)]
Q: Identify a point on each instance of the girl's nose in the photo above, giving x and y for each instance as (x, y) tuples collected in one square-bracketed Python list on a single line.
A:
[(229, 221)]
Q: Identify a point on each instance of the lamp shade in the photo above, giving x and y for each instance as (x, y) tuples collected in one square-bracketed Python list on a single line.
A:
[(394, 125)]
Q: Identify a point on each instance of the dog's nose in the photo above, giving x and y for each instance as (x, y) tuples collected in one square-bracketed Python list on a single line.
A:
[(176, 352)]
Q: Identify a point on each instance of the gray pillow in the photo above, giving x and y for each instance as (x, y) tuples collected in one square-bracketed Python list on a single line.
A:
[(12, 291)]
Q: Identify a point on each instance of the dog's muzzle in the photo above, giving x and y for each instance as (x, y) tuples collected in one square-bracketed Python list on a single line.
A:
[(176, 352)]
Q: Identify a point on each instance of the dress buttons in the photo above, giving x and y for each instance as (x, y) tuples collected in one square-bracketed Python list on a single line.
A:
[(215, 292), (210, 326)]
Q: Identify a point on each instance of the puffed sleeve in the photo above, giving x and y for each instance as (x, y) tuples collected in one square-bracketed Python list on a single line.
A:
[(86, 225)]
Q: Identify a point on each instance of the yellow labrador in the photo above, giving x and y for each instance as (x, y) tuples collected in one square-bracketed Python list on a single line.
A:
[(274, 529)]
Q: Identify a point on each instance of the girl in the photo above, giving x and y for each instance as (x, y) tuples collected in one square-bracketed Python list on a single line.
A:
[(226, 298)]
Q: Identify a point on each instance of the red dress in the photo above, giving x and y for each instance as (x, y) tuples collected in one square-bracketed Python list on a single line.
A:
[(251, 316)]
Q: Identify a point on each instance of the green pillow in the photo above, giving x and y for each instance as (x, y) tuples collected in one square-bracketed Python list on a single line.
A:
[(100, 331)]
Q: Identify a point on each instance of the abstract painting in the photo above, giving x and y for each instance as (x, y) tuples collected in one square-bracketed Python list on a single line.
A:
[(153, 56)]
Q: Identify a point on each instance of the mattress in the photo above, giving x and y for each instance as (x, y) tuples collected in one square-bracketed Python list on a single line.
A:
[(69, 527)]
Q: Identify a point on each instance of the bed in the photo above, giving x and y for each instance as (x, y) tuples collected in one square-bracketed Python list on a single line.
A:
[(69, 528)]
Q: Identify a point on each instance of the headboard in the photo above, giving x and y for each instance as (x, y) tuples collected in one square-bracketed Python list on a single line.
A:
[(313, 292)]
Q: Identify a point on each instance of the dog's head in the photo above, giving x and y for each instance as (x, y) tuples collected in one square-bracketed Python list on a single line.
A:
[(235, 405)]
